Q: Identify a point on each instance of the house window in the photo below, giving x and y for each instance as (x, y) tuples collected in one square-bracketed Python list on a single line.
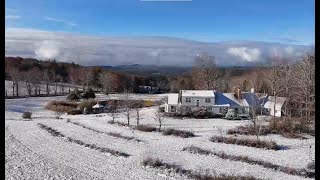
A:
[(209, 108), (173, 109), (208, 100), (188, 100)]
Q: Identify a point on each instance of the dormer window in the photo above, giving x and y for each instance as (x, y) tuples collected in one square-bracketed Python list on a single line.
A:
[(208, 100), (188, 100)]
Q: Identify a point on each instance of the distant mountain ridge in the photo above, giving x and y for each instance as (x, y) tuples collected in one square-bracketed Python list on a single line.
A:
[(145, 70)]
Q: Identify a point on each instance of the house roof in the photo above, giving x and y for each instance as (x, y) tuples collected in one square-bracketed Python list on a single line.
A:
[(252, 99), (279, 102), (197, 93), (222, 99), (173, 98)]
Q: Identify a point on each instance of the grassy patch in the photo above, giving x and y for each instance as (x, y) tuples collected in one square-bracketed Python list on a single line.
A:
[(157, 163), (56, 133), (271, 145), (179, 133)]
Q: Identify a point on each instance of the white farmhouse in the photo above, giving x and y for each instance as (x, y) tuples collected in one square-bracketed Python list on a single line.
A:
[(189, 100)]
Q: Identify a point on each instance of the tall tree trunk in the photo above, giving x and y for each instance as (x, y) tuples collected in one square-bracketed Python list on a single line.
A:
[(47, 85), (17, 88), (13, 85)]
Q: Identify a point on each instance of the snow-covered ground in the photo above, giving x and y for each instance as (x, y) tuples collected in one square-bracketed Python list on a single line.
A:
[(32, 153)]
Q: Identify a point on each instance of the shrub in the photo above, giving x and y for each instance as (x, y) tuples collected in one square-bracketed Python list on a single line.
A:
[(26, 115), (59, 110), (180, 133), (145, 128), (67, 106), (291, 128), (87, 103), (250, 130), (73, 96), (311, 165), (246, 142), (74, 112), (89, 94)]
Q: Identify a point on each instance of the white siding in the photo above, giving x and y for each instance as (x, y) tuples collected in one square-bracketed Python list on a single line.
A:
[(194, 101)]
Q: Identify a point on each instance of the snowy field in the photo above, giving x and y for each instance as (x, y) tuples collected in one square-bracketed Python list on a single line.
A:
[(33, 153)]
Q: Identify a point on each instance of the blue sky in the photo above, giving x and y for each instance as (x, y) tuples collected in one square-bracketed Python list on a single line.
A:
[(286, 21)]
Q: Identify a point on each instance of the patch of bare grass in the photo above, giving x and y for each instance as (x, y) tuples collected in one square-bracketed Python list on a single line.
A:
[(271, 145)]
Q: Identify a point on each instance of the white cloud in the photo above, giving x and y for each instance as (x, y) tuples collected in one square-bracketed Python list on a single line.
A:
[(96, 50), (11, 10), (60, 21), (245, 53), (289, 50), (12, 17), (47, 49)]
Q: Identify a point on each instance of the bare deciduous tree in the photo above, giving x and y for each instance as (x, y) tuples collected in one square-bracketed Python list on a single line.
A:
[(273, 78), (137, 110), (114, 110), (47, 77), (15, 75), (127, 104), (27, 78), (107, 81), (205, 72), (36, 80), (306, 84), (159, 117)]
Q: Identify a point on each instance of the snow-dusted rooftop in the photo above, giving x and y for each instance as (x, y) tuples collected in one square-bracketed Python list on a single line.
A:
[(279, 102), (173, 98), (198, 93)]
